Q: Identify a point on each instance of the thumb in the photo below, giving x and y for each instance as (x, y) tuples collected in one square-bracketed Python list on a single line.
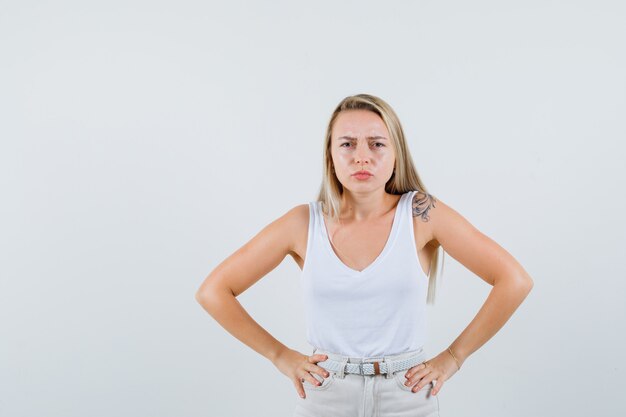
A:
[(299, 388), (437, 387)]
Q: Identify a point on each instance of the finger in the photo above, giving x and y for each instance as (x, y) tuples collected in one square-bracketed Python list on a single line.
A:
[(421, 384), (311, 367), (437, 388), (413, 380), (299, 388), (412, 371), (317, 358), (418, 372), (318, 370), (411, 383), (310, 379)]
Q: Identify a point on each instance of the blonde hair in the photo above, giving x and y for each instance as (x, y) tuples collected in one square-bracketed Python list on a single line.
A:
[(404, 179)]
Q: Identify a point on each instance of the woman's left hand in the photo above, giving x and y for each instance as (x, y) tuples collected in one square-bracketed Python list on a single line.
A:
[(439, 368)]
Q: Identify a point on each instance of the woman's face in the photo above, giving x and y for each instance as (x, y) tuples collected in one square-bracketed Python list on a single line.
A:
[(360, 141)]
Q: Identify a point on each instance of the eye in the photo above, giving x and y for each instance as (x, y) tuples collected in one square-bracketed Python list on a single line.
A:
[(375, 144)]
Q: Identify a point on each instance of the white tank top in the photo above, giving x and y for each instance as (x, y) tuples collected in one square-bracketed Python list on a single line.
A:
[(378, 311)]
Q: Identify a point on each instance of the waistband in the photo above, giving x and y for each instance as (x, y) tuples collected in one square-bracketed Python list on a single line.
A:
[(383, 365)]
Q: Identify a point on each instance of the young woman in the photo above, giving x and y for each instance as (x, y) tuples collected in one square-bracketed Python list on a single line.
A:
[(368, 249)]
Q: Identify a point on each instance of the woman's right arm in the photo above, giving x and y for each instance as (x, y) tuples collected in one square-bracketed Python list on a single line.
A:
[(240, 271)]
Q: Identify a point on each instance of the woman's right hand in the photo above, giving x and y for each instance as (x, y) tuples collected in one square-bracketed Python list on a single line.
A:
[(298, 367)]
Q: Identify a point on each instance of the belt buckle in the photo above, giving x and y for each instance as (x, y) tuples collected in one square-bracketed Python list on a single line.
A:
[(376, 367)]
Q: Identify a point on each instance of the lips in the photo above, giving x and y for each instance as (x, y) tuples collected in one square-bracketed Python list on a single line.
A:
[(363, 172)]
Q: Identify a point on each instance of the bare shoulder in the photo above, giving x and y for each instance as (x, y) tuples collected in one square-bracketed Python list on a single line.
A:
[(431, 216), (424, 207), (297, 225), (298, 216)]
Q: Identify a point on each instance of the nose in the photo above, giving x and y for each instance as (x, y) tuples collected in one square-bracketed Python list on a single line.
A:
[(361, 156)]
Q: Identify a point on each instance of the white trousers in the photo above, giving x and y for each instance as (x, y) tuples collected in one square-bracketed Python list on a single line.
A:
[(353, 395)]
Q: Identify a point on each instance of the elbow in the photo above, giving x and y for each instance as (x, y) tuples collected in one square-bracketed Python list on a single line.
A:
[(200, 296), (205, 295), (206, 292), (527, 282), (530, 284), (522, 282), (208, 296), (524, 286), (207, 300)]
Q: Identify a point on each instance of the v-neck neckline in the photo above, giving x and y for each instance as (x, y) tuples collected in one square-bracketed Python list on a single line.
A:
[(381, 255)]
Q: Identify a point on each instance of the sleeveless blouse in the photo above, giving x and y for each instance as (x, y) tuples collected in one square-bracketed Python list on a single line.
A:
[(378, 311)]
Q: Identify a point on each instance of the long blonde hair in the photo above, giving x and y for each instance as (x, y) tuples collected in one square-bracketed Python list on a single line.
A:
[(404, 179)]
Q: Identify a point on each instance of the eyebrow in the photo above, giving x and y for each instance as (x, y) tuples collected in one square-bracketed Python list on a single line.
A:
[(369, 137)]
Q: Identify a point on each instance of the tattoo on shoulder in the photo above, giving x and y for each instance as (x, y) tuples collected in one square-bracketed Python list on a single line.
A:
[(422, 203)]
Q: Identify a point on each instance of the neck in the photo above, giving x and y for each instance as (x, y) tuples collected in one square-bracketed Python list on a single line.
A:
[(366, 206)]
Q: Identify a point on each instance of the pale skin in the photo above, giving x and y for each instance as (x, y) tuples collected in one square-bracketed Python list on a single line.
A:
[(360, 140)]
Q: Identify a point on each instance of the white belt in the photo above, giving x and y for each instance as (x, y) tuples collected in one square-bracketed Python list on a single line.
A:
[(372, 368)]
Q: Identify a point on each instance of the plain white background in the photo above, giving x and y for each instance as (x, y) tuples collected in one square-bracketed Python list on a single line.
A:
[(142, 142)]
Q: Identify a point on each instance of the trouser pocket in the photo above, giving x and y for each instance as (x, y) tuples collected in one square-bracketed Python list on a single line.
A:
[(325, 382), (400, 380)]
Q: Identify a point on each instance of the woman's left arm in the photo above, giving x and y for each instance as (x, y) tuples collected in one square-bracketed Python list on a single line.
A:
[(484, 257)]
